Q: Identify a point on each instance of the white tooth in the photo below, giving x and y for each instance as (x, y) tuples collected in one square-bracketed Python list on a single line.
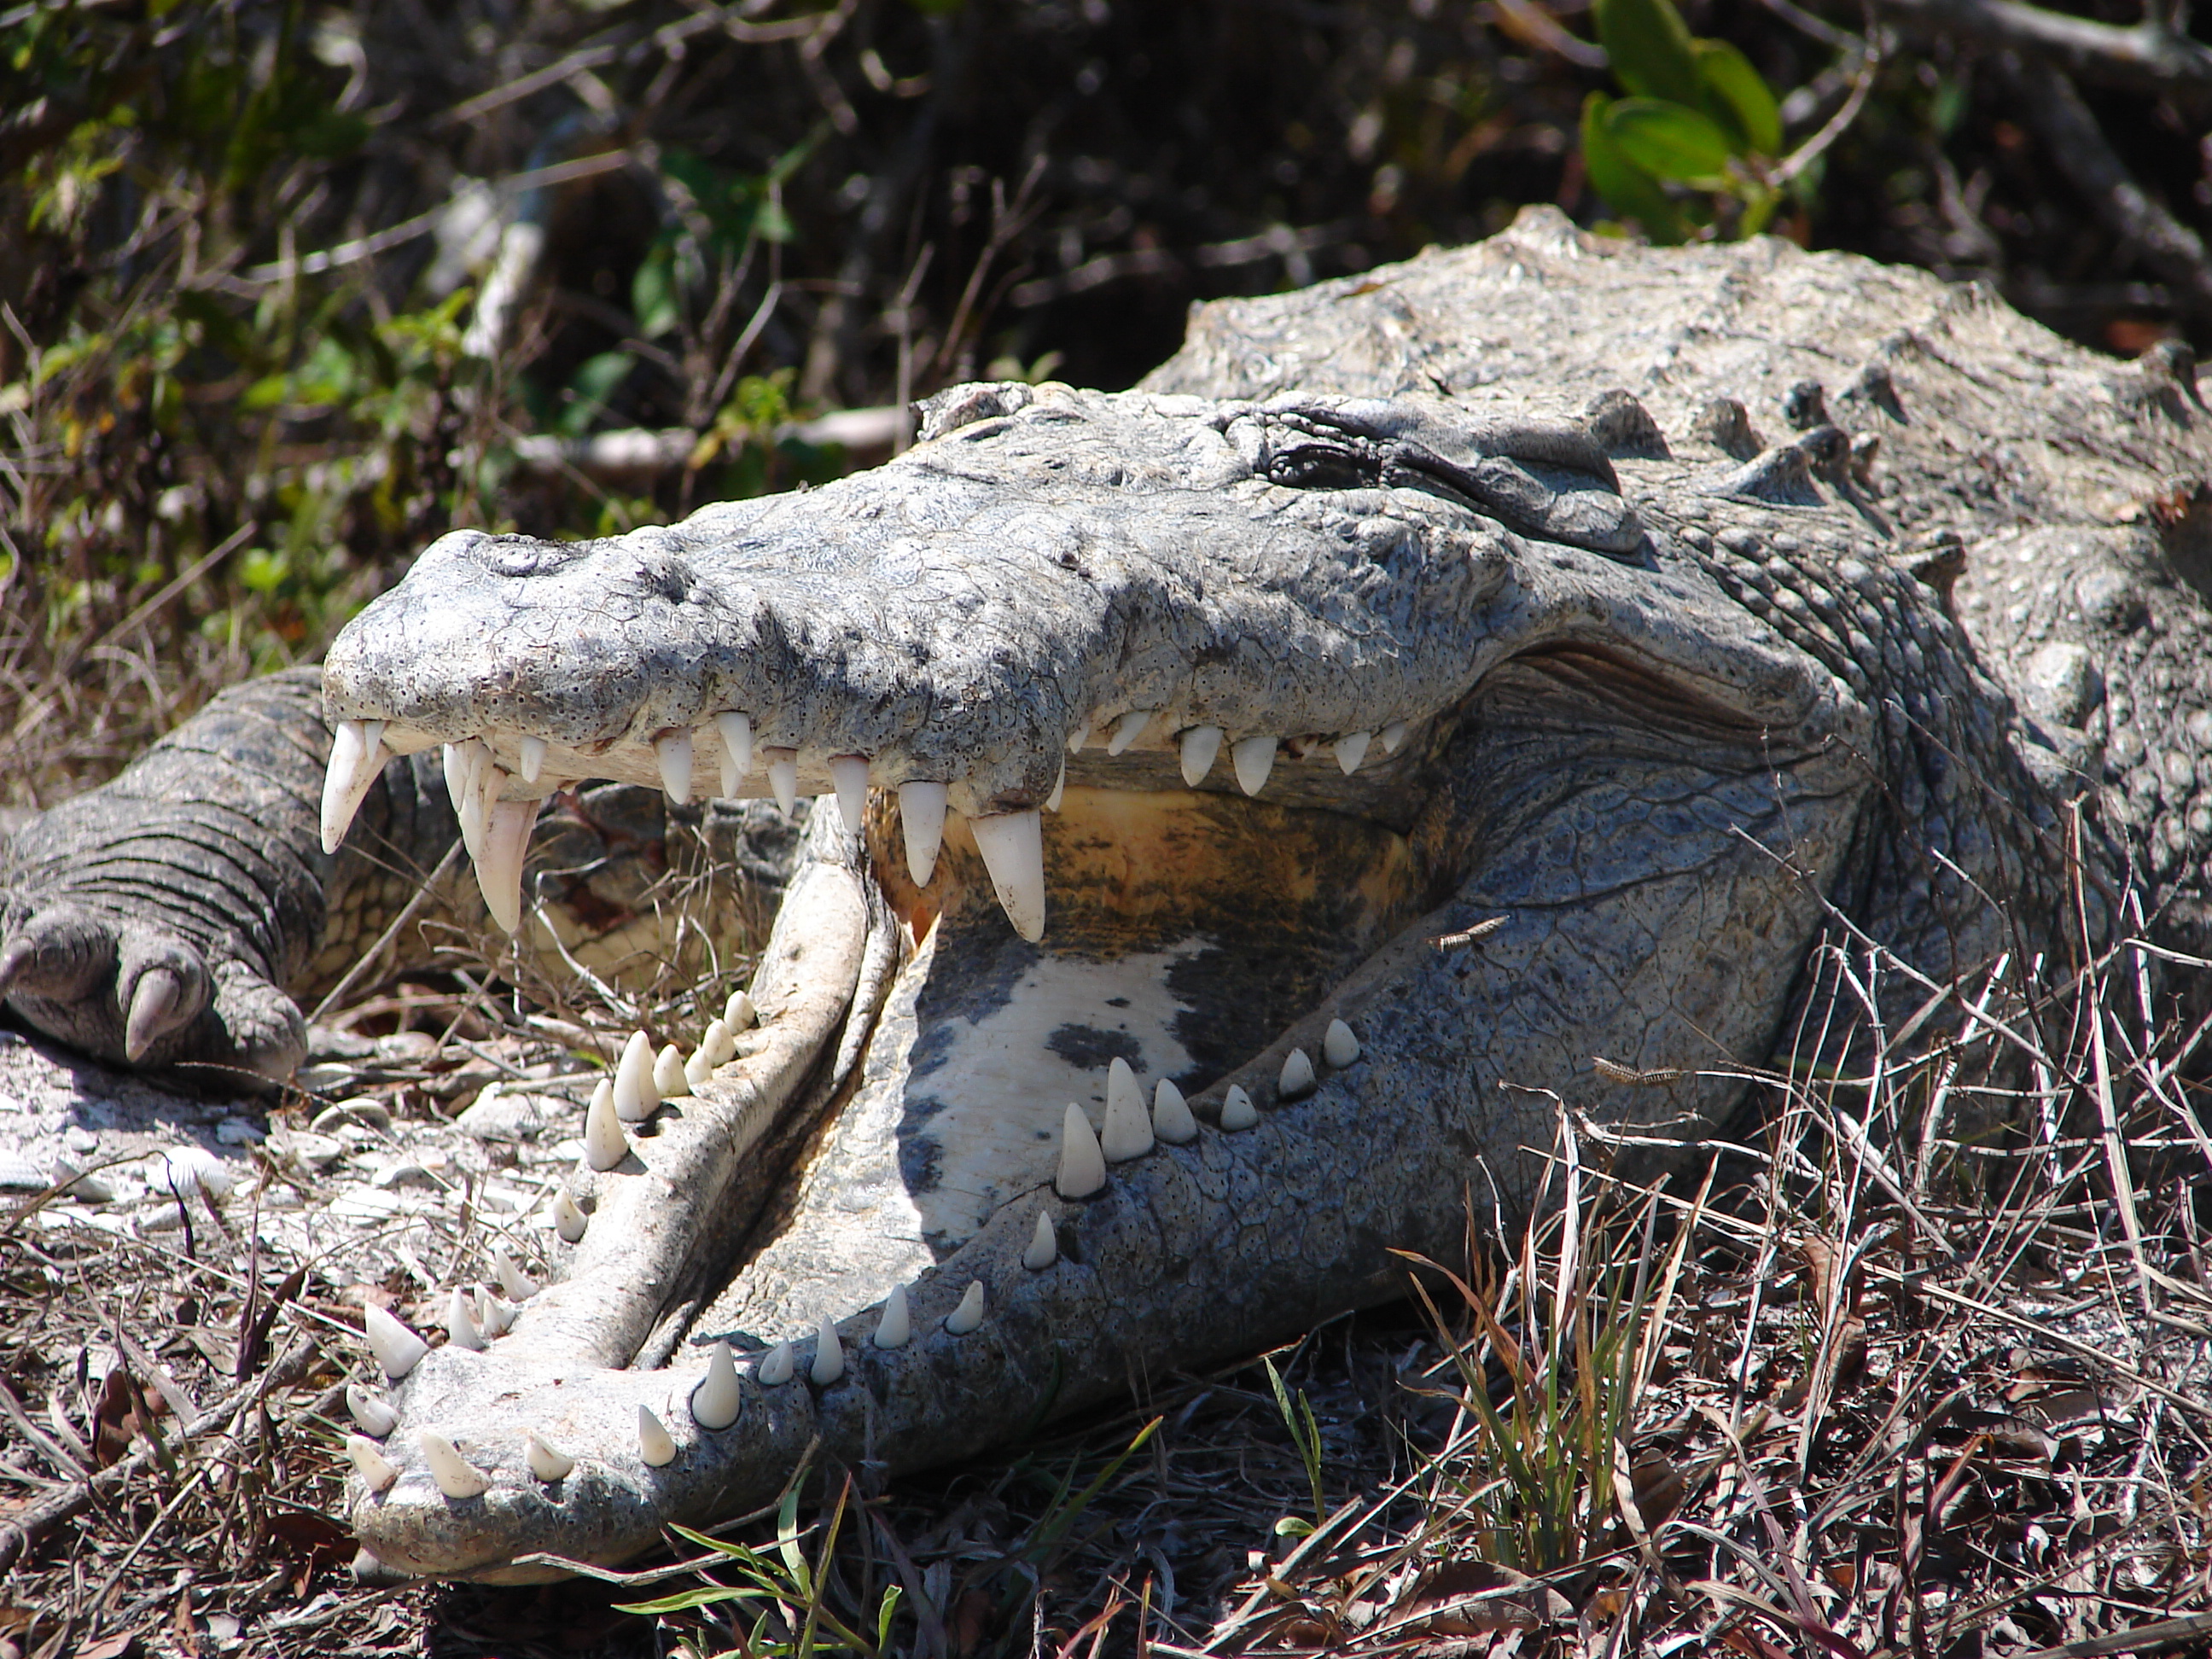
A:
[(783, 775), (1351, 750), (1200, 745), (397, 1348), (716, 1401), (737, 1012), (636, 1097), (569, 1220), (1077, 738), (1171, 1119), (922, 820), (669, 1080), (377, 1471), (654, 1443), (532, 759), (461, 1330), (1297, 1081), (469, 808), (357, 756), (775, 1371), (969, 1314), (848, 774), (498, 868), (604, 1145), (1392, 736), (698, 1070), (374, 1413), (736, 732), (1044, 1246), (1082, 1165), (1339, 1045), (1012, 846), (1128, 729), (455, 756), (1237, 1111), (893, 1329), (718, 1042), (547, 1461), (456, 1476), (1253, 757), (673, 751), (1129, 1131), (519, 1284), (1059, 789), (829, 1354), (494, 1316)]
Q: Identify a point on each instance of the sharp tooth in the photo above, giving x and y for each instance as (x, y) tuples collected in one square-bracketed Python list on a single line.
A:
[(673, 751), (1171, 1119), (494, 1316), (461, 1330), (569, 1220), (517, 1284), (377, 1471), (848, 774), (717, 1400), (697, 1069), (893, 1329), (1077, 738), (1128, 729), (1129, 1131), (456, 1476), (654, 1443), (1082, 1165), (829, 1354), (1253, 757), (775, 1371), (604, 1145), (499, 869), (469, 804), (636, 1098), (1339, 1045), (1297, 1081), (547, 1461), (532, 759), (969, 1314), (1200, 745), (737, 1011), (455, 756), (736, 732), (1059, 789), (783, 775), (374, 1413), (1351, 750), (718, 1042), (357, 756), (1237, 1111), (1044, 1246), (398, 1349), (1012, 846), (669, 1080), (1392, 736), (922, 820)]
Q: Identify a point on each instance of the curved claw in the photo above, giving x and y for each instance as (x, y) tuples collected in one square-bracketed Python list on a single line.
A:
[(153, 1011)]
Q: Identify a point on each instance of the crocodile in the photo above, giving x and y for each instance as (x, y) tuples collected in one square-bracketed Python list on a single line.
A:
[(1254, 814)]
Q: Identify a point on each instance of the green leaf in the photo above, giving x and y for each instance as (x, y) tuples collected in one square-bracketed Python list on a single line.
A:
[(653, 292), (1649, 48), (685, 1601), (1291, 1526), (1628, 190), (1739, 99), (1669, 141), (885, 1611)]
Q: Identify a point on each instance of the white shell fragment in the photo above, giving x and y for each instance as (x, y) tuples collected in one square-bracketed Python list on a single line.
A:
[(547, 1461), (782, 776), (1043, 1246), (1297, 1081), (531, 758), (1237, 1111), (921, 821), (848, 774), (1171, 1119), (894, 1328), (1128, 729), (372, 1411), (1253, 758), (377, 1471), (1128, 1130), (357, 756), (456, 1476), (775, 1370), (736, 732), (738, 1011), (460, 1324), (398, 1349), (1340, 1047), (673, 751), (1351, 750), (669, 1081), (1082, 1164), (654, 1444), (1012, 846), (635, 1098), (717, 1400), (1392, 736), (1199, 747), (969, 1314), (829, 1354), (519, 1286), (569, 1220), (603, 1144)]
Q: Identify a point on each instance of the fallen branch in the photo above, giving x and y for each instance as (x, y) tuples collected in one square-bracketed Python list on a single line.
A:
[(2148, 53)]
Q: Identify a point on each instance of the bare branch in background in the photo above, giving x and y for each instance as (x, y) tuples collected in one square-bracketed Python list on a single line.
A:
[(2147, 53)]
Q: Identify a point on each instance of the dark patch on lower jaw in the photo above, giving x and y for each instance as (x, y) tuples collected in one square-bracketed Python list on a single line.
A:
[(919, 1154), (1089, 1049)]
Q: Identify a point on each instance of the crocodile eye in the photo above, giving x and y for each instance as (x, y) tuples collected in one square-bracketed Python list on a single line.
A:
[(524, 556)]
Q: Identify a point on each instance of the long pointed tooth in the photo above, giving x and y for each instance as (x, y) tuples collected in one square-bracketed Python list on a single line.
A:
[(636, 1097), (1082, 1165), (1392, 736), (498, 868), (1128, 729), (1012, 846), (921, 821), (1059, 789), (736, 732), (849, 774), (783, 775), (569, 1220), (894, 1329), (357, 756), (1339, 1046), (494, 1317), (547, 1461), (1171, 1119), (1351, 750), (517, 1284), (531, 758), (717, 1400), (1200, 747), (775, 1370), (372, 1411), (829, 1354), (603, 1144), (654, 1444), (1237, 1111), (398, 1349), (469, 808), (1128, 1130), (1297, 1081), (455, 758), (969, 1314), (738, 1012), (1078, 737), (1253, 758), (668, 1078), (673, 751), (456, 1476), (460, 1324), (377, 1472), (1044, 1249)]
